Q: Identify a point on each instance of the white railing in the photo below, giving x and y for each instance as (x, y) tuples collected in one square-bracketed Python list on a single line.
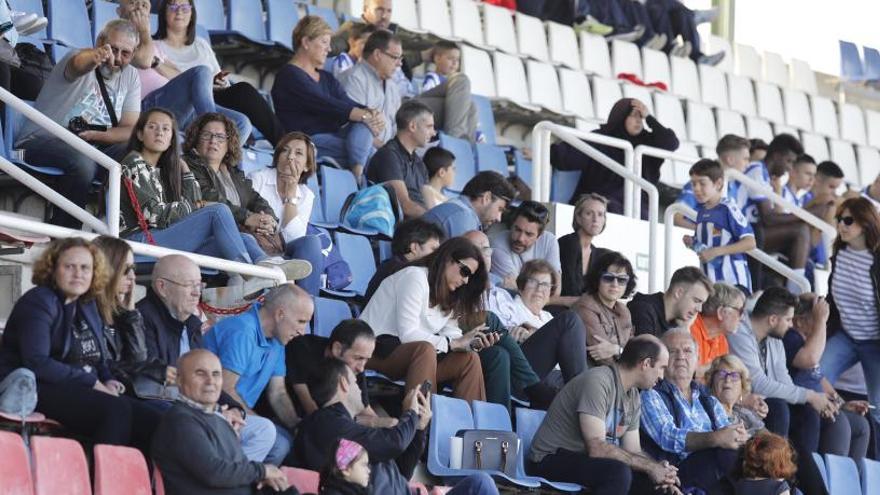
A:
[(643, 150), (35, 227), (113, 168), (541, 175), (759, 255)]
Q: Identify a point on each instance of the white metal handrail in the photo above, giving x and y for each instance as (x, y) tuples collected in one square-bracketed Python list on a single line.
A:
[(640, 152), (114, 169), (758, 254), (542, 170), (54, 231), (575, 139)]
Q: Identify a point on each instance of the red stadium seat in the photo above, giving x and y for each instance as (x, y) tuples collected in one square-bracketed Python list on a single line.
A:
[(59, 467), (15, 472), (158, 484), (120, 471), (302, 479)]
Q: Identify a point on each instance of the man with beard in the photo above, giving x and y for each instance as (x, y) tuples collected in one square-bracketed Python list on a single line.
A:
[(524, 240)]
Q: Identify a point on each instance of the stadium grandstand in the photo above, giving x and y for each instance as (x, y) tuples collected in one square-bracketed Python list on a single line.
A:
[(439, 246)]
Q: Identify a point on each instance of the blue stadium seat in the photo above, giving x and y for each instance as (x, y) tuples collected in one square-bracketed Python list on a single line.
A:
[(872, 64), (384, 251), (35, 7), (102, 12), (328, 314), (202, 32), (246, 20), (456, 415), (211, 15), (69, 23), (870, 476), (491, 157), (491, 416), (851, 68), (357, 252), (820, 465), (843, 475), (282, 16), (522, 167), (325, 13), (485, 118), (465, 167), (14, 121), (562, 185), (337, 185)]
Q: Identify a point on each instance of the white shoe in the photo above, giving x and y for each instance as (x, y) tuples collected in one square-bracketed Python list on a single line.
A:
[(293, 269), (28, 23)]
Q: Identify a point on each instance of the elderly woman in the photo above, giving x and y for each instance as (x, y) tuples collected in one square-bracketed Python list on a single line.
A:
[(577, 254), (605, 316), (729, 382), (56, 331)]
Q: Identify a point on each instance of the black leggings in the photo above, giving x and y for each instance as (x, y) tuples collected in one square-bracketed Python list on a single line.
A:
[(562, 340), (244, 98), (101, 417), (599, 476)]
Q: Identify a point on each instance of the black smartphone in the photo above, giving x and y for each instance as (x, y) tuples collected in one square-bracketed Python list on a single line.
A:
[(425, 388)]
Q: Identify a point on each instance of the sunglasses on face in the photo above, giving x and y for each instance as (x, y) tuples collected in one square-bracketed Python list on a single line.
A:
[(183, 8), (610, 278), (846, 220), (723, 375), (464, 270)]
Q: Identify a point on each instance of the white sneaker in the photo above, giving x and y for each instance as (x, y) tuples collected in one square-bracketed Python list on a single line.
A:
[(28, 23), (293, 269)]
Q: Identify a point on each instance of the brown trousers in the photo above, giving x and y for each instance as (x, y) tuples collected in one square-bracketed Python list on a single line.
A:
[(416, 362)]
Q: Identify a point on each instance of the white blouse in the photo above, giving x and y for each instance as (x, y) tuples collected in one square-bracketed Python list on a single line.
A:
[(400, 308), (198, 53), (522, 314), (265, 183)]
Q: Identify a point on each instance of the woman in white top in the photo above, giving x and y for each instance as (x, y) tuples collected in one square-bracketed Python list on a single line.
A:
[(415, 312)]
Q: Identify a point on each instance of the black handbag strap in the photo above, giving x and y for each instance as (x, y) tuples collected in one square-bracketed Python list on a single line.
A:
[(110, 110)]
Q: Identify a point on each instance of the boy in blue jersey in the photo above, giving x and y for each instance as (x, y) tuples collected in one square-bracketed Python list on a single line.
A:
[(723, 234), (446, 57), (357, 37)]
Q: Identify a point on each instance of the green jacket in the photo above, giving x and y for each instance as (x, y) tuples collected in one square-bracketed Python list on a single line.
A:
[(212, 189), (150, 193)]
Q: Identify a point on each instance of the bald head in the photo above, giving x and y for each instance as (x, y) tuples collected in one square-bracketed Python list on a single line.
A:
[(177, 281), (200, 377), (168, 266), (378, 13), (286, 311), (481, 240)]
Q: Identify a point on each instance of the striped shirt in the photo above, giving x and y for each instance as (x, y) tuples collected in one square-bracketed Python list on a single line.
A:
[(432, 80), (340, 64), (853, 292), (748, 200), (723, 225)]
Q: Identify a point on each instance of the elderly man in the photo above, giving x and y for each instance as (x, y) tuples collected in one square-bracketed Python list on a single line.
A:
[(197, 450), (251, 350), (96, 94), (684, 424), (172, 328), (718, 318), (656, 313)]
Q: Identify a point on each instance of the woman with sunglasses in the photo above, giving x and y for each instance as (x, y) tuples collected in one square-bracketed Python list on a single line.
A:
[(577, 254), (415, 314), (854, 297), (605, 316), (729, 381)]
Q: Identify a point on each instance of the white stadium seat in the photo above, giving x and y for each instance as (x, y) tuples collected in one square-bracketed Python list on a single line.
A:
[(625, 57), (759, 129), (510, 79), (606, 92), (824, 117), (478, 67), (466, 22), (775, 70), (531, 37), (668, 111), (769, 102), (563, 44), (676, 172), (748, 62), (872, 124), (544, 86), (434, 18), (843, 154), (713, 86), (730, 122), (852, 124), (701, 124), (498, 28), (685, 81), (655, 66), (802, 77), (594, 55), (797, 109), (785, 129), (869, 163), (640, 93), (715, 44), (815, 146), (742, 95), (406, 15), (576, 94)]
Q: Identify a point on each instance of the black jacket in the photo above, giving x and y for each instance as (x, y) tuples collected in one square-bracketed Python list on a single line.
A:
[(125, 338), (212, 190), (572, 263), (834, 323), (649, 314)]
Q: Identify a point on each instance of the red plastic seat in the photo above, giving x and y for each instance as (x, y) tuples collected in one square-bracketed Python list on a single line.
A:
[(158, 484), (59, 467), (120, 471), (302, 479), (15, 470)]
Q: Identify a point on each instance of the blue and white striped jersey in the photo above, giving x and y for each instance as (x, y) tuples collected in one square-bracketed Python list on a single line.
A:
[(432, 80), (746, 199), (722, 225)]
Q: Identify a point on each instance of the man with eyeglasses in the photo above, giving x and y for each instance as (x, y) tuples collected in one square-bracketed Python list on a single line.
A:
[(683, 424), (172, 328), (718, 318), (73, 97)]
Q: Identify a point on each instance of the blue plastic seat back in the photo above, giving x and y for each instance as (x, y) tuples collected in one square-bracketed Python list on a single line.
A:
[(851, 62), (318, 205), (491, 157), (522, 167), (485, 118), (69, 23), (527, 423), (453, 415), (491, 416), (870, 476), (820, 465), (328, 15), (843, 475), (102, 13), (211, 14), (328, 314), (465, 167), (282, 18), (246, 17), (872, 64), (31, 6), (384, 251), (563, 184), (337, 184), (357, 252)]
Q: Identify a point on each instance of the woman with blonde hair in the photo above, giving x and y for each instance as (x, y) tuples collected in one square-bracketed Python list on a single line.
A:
[(728, 380)]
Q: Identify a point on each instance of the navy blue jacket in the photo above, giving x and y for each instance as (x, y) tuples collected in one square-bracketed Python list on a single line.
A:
[(38, 337), (162, 331)]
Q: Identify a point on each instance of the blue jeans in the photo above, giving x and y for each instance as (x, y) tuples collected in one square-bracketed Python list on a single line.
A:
[(308, 247), (210, 231), (352, 145), (191, 94), (475, 484), (258, 437), (842, 352), (281, 447)]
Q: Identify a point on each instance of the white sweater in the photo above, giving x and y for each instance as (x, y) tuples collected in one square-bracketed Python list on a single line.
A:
[(400, 308)]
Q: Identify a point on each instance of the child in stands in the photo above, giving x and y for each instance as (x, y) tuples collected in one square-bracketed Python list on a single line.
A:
[(348, 472), (723, 234), (441, 172), (357, 37), (768, 462), (446, 57)]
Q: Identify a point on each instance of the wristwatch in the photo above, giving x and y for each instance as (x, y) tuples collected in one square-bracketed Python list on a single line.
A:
[(156, 62), (288, 201)]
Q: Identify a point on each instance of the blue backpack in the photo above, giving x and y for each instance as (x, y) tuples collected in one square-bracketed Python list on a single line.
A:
[(374, 209)]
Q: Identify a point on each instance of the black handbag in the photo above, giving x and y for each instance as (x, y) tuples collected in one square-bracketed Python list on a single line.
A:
[(147, 387), (493, 450)]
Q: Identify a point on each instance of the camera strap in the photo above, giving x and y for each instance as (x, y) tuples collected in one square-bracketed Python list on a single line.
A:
[(107, 103)]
